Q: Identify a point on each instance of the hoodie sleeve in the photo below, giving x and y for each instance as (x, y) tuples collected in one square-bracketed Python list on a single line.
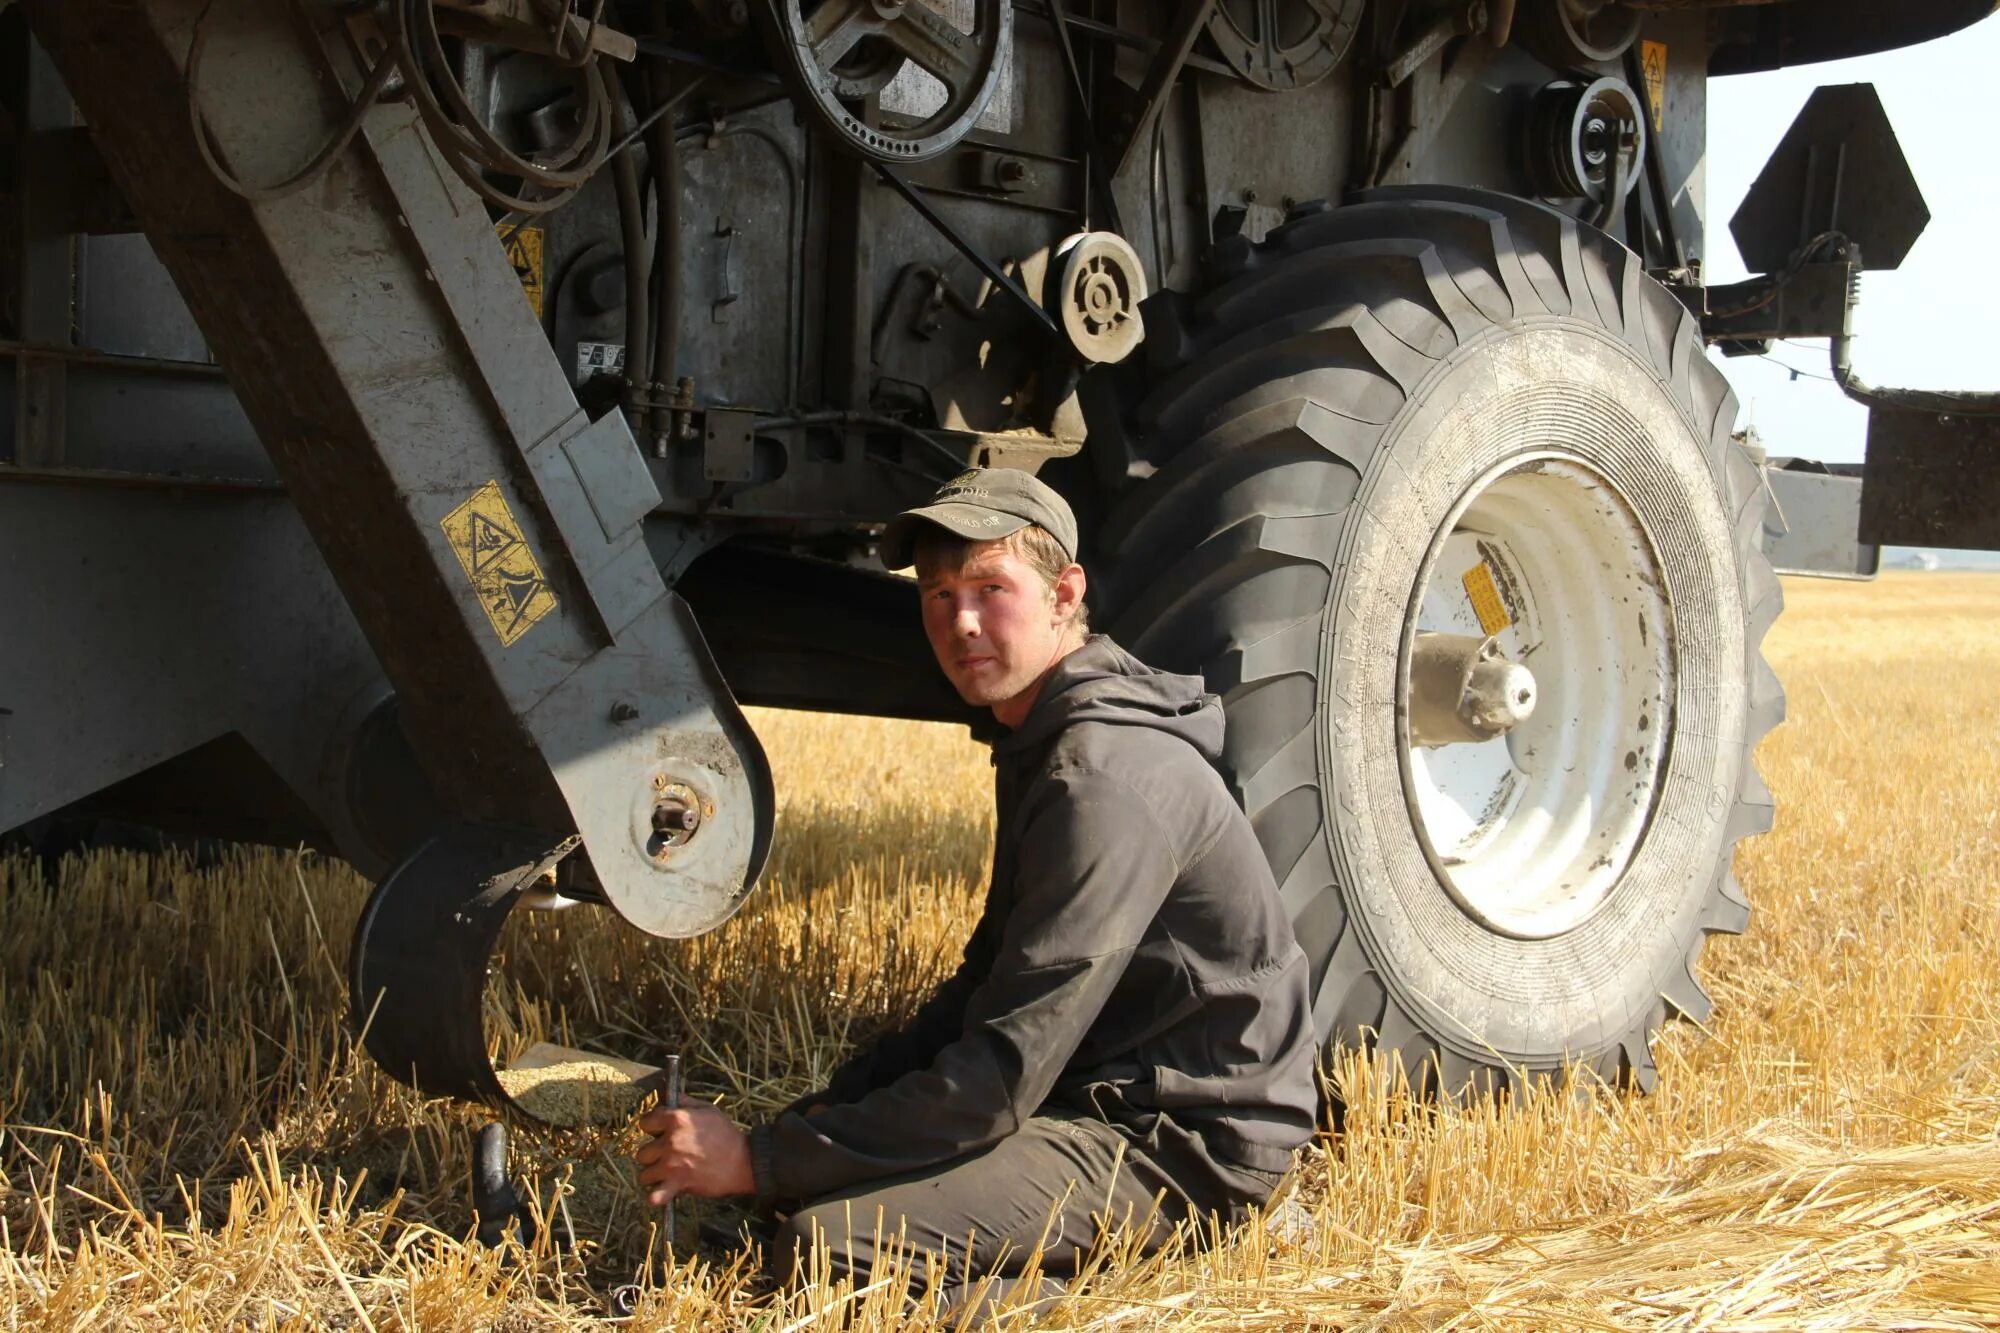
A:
[(1094, 866)]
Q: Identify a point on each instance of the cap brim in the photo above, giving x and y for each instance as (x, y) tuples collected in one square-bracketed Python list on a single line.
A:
[(972, 522)]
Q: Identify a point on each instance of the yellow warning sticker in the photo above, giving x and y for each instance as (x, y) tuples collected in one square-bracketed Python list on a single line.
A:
[(524, 252), (1486, 603), (1653, 60), (497, 560)]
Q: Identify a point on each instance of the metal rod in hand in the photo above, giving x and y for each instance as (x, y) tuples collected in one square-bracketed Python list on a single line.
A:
[(673, 1104)]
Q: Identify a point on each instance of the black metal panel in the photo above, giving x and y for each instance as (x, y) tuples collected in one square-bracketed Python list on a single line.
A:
[(1838, 170), (142, 623), (795, 632), (422, 947), (1802, 32), (1672, 59), (1932, 480)]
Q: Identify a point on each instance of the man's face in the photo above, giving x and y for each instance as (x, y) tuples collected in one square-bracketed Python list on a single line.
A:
[(994, 622)]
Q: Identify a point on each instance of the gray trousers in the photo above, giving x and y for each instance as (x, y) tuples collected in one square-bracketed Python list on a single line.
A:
[(1059, 1181)]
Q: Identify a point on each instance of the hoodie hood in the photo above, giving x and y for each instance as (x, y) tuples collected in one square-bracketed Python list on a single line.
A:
[(1101, 682)]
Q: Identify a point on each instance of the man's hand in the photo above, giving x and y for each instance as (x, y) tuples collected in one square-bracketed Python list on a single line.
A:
[(694, 1150)]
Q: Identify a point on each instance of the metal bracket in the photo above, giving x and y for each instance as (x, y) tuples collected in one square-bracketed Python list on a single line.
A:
[(991, 271), (485, 532), (1816, 302), (729, 445), (1161, 75), (40, 408)]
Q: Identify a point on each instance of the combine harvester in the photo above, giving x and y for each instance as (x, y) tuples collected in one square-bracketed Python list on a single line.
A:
[(423, 423)]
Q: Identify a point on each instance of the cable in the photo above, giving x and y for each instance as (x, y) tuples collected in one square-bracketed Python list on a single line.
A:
[(511, 221), (638, 290), (470, 147), (417, 52), (664, 159), (1943, 402), (317, 167), (1793, 266), (1796, 372)]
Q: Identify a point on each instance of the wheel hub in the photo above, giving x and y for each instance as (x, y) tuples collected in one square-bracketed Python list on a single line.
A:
[(1463, 689), (1535, 716)]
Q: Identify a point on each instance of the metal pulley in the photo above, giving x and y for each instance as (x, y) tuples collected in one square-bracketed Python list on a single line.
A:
[(1568, 33), (1586, 141), (836, 55), (1094, 288), (1284, 45)]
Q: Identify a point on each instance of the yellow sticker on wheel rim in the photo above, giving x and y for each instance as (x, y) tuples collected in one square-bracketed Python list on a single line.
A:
[(1486, 603), (496, 557)]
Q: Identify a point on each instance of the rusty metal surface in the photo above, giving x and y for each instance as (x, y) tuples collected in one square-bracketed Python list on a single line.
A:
[(288, 321), (1765, 37), (1932, 480), (488, 536)]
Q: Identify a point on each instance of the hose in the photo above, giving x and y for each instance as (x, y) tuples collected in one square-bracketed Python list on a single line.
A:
[(665, 154), (314, 169), (1943, 402), (472, 149), (638, 303)]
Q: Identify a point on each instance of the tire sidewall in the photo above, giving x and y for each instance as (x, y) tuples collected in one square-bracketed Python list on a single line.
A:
[(1516, 390)]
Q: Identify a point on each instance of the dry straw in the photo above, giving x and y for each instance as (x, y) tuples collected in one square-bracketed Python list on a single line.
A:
[(188, 1139)]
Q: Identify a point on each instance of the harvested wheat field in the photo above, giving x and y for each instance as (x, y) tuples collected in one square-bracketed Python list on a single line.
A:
[(189, 1139)]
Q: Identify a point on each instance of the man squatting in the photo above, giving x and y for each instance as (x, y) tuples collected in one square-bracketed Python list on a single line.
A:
[(1130, 1032)]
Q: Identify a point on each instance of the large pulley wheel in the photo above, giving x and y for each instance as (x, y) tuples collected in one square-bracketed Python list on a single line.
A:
[(1440, 494), (1284, 45), (1573, 33), (836, 54)]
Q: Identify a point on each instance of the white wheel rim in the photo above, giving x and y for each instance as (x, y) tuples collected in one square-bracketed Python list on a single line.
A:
[(1529, 832)]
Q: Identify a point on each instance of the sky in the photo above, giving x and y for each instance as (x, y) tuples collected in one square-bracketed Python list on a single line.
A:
[(1934, 323)]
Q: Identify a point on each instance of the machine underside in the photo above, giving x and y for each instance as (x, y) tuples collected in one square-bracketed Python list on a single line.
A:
[(444, 414)]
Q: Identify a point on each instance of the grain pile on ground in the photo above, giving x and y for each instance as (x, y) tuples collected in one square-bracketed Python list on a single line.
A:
[(575, 1093), (188, 1139)]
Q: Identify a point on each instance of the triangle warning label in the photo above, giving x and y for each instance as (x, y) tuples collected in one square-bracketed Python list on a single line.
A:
[(498, 562), (490, 541)]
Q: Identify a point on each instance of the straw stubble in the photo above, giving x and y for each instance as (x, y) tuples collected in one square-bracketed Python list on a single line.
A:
[(188, 1138)]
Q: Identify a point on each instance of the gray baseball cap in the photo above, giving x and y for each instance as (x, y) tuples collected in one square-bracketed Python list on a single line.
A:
[(982, 505)]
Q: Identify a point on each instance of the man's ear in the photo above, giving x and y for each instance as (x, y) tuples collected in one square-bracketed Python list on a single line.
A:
[(1070, 587)]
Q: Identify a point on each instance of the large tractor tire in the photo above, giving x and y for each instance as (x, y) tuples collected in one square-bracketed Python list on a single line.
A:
[(1450, 412)]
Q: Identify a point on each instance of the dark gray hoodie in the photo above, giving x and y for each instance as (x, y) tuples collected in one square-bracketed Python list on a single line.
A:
[(1133, 962)]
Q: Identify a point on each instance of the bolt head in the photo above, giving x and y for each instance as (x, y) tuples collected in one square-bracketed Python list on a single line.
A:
[(668, 818)]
